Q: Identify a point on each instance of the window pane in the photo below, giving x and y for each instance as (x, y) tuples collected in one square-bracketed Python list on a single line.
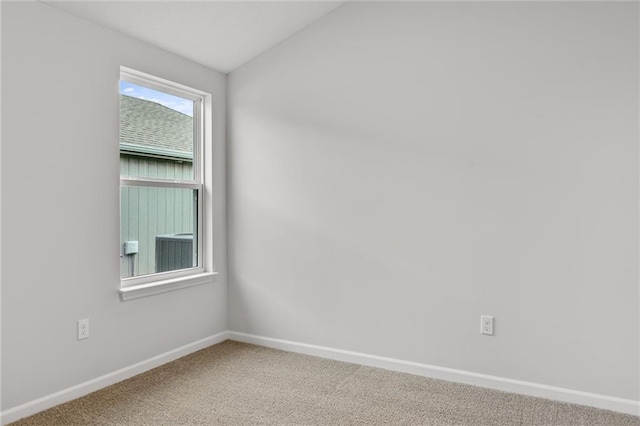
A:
[(158, 230), (156, 134)]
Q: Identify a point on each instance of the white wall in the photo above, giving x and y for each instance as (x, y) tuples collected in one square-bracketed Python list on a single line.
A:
[(60, 198), (398, 169)]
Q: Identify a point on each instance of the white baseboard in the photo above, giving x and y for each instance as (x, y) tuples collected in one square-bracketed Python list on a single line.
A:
[(621, 405), (32, 407)]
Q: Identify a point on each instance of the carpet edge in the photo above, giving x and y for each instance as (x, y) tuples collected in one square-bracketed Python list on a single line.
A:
[(32, 407), (620, 405)]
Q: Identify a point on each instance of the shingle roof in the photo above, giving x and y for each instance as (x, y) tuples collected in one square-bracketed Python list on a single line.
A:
[(150, 128)]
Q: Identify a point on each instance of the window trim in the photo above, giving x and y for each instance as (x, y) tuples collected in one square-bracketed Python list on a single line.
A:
[(163, 286), (160, 282)]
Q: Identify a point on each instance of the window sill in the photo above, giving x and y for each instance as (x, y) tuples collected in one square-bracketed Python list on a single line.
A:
[(157, 287)]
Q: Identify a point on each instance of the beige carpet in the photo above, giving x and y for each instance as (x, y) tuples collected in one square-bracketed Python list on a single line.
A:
[(238, 384)]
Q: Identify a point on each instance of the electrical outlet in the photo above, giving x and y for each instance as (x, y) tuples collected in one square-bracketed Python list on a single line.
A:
[(486, 325), (83, 329)]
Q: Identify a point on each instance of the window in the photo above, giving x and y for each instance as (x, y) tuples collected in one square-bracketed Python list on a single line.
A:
[(161, 185)]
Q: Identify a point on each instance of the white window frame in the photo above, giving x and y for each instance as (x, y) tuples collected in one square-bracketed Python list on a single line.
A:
[(160, 282)]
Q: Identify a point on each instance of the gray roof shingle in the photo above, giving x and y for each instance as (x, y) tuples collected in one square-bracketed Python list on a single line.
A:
[(151, 128)]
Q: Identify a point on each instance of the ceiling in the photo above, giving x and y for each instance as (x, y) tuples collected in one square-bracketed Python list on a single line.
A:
[(221, 35)]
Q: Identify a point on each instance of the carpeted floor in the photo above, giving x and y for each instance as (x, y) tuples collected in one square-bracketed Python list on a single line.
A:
[(239, 384)]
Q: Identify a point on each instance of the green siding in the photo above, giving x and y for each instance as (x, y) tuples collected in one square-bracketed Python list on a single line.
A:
[(147, 212)]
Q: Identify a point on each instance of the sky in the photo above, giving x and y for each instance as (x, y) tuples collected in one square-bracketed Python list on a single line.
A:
[(182, 105)]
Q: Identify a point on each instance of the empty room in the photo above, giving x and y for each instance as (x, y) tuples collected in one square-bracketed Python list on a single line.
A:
[(320, 213)]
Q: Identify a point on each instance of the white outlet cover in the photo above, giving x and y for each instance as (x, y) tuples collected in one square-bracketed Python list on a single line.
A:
[(486, 325), (83, 329)]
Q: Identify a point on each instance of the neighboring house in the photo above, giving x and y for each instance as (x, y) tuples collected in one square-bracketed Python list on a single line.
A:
[(155, 141)]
